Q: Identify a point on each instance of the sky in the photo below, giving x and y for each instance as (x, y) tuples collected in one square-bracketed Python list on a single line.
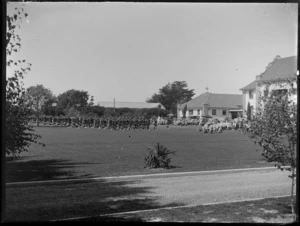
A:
[(128, 51)]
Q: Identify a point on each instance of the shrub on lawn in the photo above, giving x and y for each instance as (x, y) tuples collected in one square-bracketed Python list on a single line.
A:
[(158, 157)]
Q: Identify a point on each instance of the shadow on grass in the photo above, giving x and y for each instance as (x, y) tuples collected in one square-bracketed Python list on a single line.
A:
[(35, 170), (88, 200), (174, 167), (110, 219)]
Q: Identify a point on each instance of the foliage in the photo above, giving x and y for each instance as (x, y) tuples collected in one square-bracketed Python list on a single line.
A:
[(72, 98), (150, 112), (158, 156), (50, 108), (249, 111), (274, 128), (19, 135), (94, 110), (172, 94), (111, 112), (36, 97), (72, 112), (227, 119), (135, 112)]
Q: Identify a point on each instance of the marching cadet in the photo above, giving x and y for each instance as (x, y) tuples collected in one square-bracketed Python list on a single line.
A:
[(155, 123), (122, 125), (104, 124), (130, 123), (148, 123), (113, 123), (139, 124), (100, 123), (109, 123)]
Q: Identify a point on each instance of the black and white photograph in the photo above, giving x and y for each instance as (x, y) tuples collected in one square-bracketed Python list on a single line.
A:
[(150, 112)]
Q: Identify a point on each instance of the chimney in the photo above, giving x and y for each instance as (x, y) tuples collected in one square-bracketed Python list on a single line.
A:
[(258, 77)]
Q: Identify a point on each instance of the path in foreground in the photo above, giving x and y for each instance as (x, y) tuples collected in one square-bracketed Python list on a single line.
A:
[(129, 194), (216, 187)]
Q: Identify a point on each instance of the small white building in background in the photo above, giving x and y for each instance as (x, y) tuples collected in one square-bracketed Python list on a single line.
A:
[(276, 72), (135, 105)]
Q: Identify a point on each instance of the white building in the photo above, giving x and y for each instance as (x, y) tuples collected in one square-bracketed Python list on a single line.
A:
[(250, 96), (214, 105), (277, 73)]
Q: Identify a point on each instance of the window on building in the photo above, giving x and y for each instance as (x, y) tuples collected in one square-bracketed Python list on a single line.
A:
[(266, 92), (190, 112), (251, 94), (214, 111), (198, 112), (278, 92), (224, 112)]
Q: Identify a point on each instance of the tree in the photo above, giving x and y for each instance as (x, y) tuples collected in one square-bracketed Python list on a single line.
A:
[(72, 99), (94, 110), (184, 111), (50, 108), (274, 128), (19, 134), (172, 94), (249, 111), (36, 98)]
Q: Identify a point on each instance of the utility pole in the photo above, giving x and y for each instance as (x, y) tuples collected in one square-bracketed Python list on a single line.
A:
[(114, 105)]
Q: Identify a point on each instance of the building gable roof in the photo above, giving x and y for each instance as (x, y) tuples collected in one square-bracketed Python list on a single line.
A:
[(280, 68), (250, 86), (216, 100), (225, 100), (197, 101), (110, 104)]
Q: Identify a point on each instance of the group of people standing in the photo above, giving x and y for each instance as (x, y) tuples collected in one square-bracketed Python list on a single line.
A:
[(215, 126), (114, 123)]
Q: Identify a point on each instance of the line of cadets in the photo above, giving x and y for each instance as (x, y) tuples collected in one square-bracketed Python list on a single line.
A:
[(116, 123)]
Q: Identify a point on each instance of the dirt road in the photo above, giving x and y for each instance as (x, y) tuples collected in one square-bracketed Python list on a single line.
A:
[(49, 200), (215, 187)]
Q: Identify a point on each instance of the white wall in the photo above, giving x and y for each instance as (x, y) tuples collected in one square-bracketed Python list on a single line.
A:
[(251, 101), (180, 113), (195, 112), (280, 86), (219, 112)]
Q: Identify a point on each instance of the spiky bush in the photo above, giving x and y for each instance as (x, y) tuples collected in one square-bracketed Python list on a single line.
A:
[(158, 156)]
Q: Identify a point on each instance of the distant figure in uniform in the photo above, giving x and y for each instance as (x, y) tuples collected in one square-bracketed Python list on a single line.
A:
[(199, 127), (155, 123)]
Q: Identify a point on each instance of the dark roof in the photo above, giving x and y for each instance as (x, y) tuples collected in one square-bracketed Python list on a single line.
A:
[(197, 101), (280, 68), (250, 86), (110, 104), (216, 100)]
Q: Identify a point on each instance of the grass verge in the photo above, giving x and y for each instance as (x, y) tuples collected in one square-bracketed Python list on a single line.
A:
[(270, 210)]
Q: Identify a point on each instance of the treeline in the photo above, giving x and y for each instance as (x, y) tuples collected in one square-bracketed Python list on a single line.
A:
[(75, 103), (99, 111)]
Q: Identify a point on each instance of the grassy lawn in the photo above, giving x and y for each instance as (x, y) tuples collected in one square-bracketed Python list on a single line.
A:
[(79, 153), (270, 210)]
